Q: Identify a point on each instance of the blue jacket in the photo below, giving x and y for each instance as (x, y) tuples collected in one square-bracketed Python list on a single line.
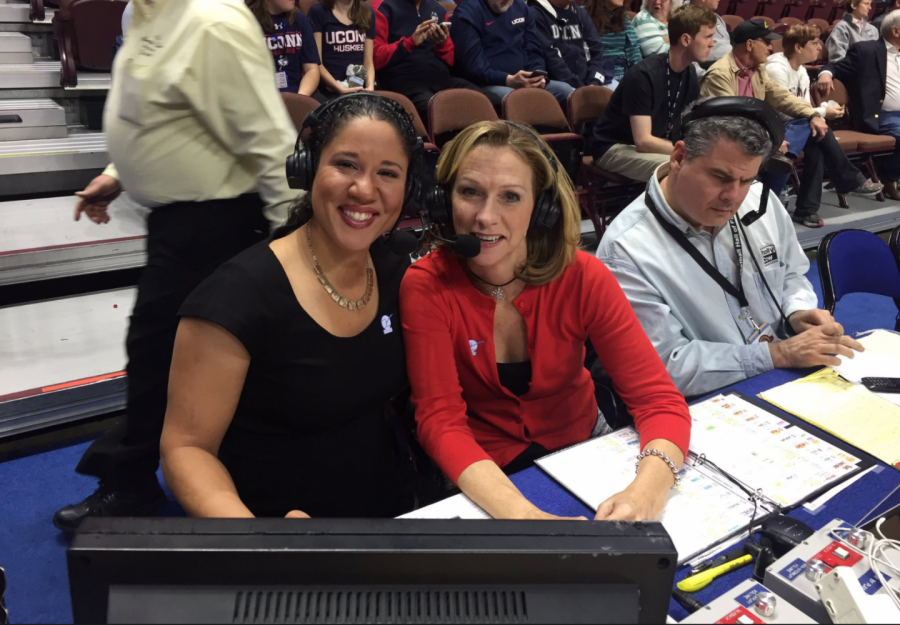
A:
[(396, 54), (572, 47), (489, 47)]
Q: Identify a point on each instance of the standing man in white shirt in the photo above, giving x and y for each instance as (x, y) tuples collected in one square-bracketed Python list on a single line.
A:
[(717, 287), (197, 132), (871, 73)]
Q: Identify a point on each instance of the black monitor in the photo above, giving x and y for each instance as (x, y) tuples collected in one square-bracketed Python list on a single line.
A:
[(178, 570)]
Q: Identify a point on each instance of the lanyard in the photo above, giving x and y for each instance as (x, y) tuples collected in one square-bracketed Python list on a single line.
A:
[(735, 291), (672, 103)]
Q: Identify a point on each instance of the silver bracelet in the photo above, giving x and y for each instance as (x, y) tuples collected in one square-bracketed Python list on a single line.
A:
[(661, 456)]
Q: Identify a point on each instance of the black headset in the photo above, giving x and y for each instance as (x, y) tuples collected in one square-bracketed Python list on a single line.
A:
[(301, 166), (439, 203)]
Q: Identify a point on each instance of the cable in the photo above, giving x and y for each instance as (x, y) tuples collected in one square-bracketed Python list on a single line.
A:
[(877, 556), (754, 496), (886, 497)]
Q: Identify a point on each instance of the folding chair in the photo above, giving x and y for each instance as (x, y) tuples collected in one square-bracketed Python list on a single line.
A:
[(298, 107), (85, 32), (539, 109), (452, 110), (856, 261), (608, 189), (867, 146), (790, 21), (732, 21)]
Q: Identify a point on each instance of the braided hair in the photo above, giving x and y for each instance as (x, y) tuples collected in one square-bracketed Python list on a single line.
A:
[(330, 119)]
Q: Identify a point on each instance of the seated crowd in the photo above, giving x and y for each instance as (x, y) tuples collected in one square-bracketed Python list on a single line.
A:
[(300, 364)]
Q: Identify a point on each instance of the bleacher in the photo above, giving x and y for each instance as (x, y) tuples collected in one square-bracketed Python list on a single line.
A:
[(65, 290)]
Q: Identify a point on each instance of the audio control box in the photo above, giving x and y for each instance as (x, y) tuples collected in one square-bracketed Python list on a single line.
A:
[(795, 575), (749, 602)]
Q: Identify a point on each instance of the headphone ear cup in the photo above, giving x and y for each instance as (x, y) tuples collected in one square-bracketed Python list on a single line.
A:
[(299, 170), (437, 206), (546, 211), (413, 190)]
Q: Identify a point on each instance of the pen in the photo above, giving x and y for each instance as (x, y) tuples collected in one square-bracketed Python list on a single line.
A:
[(702, 580)]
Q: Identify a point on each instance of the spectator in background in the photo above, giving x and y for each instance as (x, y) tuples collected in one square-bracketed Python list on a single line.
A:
[(290, 39), (345, 32), (742, 72), (891, 6), (414, 51), (801, 45), (572, 48), (651, 25), (197, 131), (705, 335), (853, 28), (620, 43), (871, 74), (631, 138), (722, 39), (498, 48)]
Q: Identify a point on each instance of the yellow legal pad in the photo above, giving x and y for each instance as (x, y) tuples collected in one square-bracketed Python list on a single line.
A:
[(849, 411)]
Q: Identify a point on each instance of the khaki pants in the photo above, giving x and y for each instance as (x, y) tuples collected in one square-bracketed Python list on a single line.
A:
[(626, 161)]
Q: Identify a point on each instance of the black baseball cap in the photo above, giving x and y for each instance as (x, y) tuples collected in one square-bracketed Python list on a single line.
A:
[(752, 29)]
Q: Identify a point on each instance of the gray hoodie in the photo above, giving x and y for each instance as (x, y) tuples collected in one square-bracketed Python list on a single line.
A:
[(794, 80)]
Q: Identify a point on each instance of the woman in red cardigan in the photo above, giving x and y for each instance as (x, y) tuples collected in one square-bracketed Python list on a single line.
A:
[(495, 343)]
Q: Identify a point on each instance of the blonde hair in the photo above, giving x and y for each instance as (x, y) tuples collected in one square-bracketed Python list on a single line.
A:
[(550, 252)]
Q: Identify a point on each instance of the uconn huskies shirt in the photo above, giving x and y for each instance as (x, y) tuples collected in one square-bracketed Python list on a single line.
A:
[(342, 45), (292, 45)]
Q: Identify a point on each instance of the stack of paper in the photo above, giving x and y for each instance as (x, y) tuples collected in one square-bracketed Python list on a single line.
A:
[(843, 407)]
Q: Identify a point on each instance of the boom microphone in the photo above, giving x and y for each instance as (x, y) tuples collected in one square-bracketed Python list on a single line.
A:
[(465, 244), (402, 243)]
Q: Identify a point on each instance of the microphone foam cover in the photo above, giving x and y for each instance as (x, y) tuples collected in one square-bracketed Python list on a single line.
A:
[(466, 245), (402, 243)]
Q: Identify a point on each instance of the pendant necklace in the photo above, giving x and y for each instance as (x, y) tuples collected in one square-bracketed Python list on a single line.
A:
[(341, 301), (497, 293)]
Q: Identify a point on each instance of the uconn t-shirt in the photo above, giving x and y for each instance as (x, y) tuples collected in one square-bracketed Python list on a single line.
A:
[(342, 45), (292, 45)]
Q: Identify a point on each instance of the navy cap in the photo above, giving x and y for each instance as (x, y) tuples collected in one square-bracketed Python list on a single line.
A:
[(752, 29)]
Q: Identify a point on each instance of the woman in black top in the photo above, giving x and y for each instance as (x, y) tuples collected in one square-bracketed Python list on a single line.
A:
[(287, 356)]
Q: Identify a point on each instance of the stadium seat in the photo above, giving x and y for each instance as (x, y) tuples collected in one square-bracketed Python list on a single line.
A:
[(765, 18), (407, 104), (790, 21), (819, 23), (867, 146), (585, 106), (814, 5), (38, 12), (856, 261), (305, 5), (449, 7), (838, 8), (789, 6), (85, 31), (452, 110), (732, 21), (299, 106), (539, 109)]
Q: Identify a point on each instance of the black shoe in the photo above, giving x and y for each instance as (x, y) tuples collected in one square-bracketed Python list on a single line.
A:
[(109, 501)]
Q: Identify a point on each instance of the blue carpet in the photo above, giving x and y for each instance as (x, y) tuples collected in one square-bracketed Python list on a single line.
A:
[(33, 552)]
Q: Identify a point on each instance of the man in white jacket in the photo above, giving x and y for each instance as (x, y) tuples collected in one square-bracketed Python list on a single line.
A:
[(801, 45)]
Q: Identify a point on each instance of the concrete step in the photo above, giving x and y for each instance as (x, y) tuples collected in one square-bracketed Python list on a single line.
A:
[(15, 48), (40, 75), (39, 240), (19, 13), (52, 165), (92, 81), (21, 120), (63, 359)]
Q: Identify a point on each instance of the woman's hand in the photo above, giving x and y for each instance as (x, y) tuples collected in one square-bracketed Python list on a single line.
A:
[(539, 515), (296, 514), (834, 112), (633, 504), (344, 89)]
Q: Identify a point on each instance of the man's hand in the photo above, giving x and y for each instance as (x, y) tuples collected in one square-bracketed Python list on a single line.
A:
[(296, 514), (819, 345), (350, 89), (803, 320), (818, 127), (784, 147), (834, 112), (539, 515), (523, 80), (825, 84), (96, 197), (439, 34), (422, 31)]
